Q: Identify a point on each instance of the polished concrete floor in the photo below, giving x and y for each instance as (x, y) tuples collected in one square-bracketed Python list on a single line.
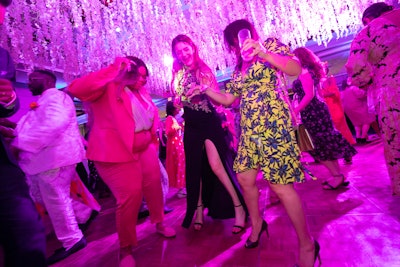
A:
[(356, 226)]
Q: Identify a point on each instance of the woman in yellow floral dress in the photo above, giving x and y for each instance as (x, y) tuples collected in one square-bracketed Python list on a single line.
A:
[(267, 140)]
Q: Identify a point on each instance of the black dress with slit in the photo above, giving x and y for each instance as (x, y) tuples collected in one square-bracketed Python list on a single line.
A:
[(202, 122)]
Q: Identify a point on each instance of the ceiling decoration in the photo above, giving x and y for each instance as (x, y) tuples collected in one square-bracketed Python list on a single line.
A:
[(80, 36)]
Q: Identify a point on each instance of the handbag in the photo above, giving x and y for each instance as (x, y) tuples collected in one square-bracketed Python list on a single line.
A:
[(304, 140)]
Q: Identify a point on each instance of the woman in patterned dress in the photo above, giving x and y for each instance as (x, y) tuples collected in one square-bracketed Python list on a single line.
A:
[(267, 139), (175, 158), (374, 65), (330, 145), (210, 181)]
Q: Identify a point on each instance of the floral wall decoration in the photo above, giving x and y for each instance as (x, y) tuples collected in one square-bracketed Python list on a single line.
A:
[(80, 36)]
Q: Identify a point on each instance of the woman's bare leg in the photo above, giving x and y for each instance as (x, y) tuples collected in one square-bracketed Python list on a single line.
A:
[(364, 131), (198, 223), (219, 170), (247, 181), (294, 208)]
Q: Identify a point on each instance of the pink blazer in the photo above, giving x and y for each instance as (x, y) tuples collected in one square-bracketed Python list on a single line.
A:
[(112, 132)]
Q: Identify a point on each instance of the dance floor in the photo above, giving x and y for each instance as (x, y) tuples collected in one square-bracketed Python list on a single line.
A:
[(355, 226)]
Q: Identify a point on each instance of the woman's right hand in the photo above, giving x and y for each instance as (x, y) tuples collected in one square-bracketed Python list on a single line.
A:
[(123, 66), (196, 90)]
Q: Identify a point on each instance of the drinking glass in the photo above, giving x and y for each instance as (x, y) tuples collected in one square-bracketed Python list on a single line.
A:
[(243, 35)]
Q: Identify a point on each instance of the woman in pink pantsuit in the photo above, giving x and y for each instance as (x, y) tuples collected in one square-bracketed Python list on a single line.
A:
[(123, 144)]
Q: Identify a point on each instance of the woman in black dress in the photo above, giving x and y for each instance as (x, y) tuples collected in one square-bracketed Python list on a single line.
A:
[(210, 180), (329, 144)]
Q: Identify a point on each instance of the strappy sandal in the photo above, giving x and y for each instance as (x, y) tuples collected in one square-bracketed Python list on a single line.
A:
[(198, 225), (239, 227), (327, 186)]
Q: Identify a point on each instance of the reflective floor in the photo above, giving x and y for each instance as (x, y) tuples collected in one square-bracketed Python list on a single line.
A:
[(355, 226)]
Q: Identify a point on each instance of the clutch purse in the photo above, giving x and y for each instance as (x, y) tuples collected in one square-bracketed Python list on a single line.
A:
[(304, 140)]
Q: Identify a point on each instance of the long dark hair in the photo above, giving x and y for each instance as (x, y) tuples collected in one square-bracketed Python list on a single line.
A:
[(310, 61), (170, 108), (231, 40)]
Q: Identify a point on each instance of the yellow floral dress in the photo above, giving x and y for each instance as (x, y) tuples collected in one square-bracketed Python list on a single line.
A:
[(267, 138)]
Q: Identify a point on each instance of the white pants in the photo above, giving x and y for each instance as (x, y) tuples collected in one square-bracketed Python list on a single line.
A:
[(164, 181), (52, 189)]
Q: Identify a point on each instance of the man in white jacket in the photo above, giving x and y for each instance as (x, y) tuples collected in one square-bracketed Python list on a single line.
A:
[(49, 146)]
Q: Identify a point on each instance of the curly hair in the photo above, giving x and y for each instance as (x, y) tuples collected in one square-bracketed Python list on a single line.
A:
[(310, 61)]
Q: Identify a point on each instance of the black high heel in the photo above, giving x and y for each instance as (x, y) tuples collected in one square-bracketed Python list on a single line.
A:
[(199, 225), (317, 248), (327, 186), (251, 244), (316, 252), (239, 227)]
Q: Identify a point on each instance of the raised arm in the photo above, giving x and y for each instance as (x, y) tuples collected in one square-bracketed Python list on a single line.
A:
[(280, 59), (93, 85)]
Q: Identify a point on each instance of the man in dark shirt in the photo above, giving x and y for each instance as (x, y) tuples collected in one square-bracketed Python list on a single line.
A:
[(21, 231)]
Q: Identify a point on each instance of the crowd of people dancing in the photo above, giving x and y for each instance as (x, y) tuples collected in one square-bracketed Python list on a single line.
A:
[(211, 160)]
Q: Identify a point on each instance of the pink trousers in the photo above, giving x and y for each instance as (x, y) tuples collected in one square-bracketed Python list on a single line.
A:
[(129, 182)]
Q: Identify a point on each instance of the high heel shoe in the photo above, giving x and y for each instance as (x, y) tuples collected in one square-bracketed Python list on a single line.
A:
[(317, 248), (327, 186), (251, 244), (199, 224), (239, 227), (316, 252)]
